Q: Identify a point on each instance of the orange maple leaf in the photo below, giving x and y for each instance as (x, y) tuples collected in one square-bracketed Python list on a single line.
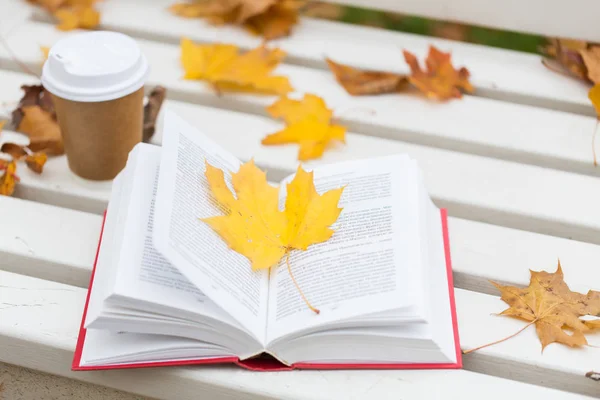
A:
[(440, 81), (309, 125), (551, 306)]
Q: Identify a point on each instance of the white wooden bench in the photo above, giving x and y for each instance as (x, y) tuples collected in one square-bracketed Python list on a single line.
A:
[(512, 163)]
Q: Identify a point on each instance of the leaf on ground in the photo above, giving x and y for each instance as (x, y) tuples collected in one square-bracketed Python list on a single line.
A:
[(549, 304), (359, 82), (9, 179), (440, 80), (151, 109), (42, 129), (227, 70), (309, 125), (36, 161), (271, 19), (255, 227)]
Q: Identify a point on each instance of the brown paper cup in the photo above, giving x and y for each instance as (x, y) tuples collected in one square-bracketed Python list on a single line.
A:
[(99, 136)]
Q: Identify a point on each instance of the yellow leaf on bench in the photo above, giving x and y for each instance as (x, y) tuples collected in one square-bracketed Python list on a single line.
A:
[(228, 70), (309, 125)]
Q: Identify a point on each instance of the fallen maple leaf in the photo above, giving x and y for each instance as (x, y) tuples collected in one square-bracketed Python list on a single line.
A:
[(151, 110), (552, 307), (594, 96), (309, 125), (359, 82), (440, 81), (256, 228), (9, 179), (271, 19), (221, 65), (36, 161), (34, 95), (277, 21), (77, 17), (42, 129), (71, 14), (578, 58)]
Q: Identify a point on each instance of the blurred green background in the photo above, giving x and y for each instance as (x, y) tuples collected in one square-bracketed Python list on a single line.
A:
[(423, 26)]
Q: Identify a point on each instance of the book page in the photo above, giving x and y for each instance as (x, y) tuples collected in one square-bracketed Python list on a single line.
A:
[(200, 254), (143, 273), (366, 266)]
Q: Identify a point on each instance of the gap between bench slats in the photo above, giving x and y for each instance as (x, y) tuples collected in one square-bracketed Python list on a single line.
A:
[(497, 73), (534, 16), (41, 321), (481, 126)]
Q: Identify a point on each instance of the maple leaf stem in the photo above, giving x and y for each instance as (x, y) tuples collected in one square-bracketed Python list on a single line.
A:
[(287, 262), (501, 340), (14, 57), (594, 142)]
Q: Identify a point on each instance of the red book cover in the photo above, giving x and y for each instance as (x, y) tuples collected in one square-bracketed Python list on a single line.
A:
[(269, 363)]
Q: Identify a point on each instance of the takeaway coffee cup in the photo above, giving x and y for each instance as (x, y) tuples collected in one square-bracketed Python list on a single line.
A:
[(96, 80)]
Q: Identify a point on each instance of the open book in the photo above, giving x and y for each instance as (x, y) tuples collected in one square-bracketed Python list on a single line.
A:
[(167, 290)]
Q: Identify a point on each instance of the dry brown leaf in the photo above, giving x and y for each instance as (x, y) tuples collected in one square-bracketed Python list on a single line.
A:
[(256, 228), (553, 308), (42, 129), (34, 95), (440, 81), (359, 82), (9, 179), (578, 58), (269, 18), (151, 109), (221, 65), (591, 58)]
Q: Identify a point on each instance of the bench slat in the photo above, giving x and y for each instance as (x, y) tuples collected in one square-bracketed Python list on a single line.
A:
[(482, 126), (59, 244), (497, 73), (473, 187), (534, 16), (40, 320)]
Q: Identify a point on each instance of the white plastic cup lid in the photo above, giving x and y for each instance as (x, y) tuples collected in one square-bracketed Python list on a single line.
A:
[(94, 66)]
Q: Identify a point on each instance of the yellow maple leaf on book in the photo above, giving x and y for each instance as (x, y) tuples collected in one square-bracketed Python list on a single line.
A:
[(308, 124), (255, 227), (227, 70)]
